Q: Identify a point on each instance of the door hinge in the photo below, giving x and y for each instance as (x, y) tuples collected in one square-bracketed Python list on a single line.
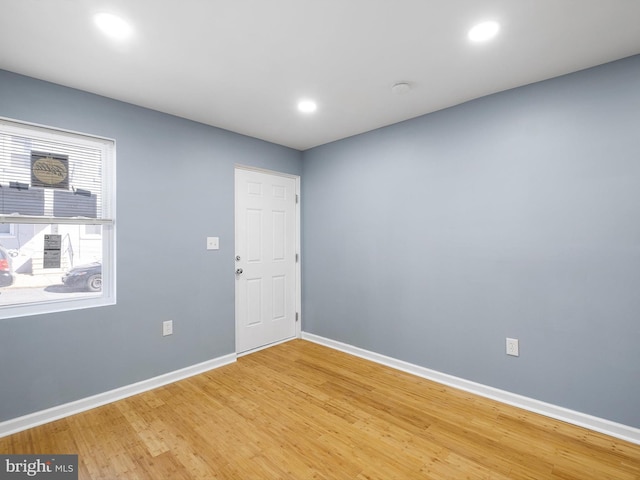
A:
[(296, 316), (297, 198), (297, 258)]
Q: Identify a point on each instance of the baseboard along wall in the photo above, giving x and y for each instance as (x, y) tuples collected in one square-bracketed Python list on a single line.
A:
[(617, 430), (35, 419)]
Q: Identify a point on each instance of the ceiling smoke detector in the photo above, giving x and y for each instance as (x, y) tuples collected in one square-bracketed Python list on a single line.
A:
[(401, 88)]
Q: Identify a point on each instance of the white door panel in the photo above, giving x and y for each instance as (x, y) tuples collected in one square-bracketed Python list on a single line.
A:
[(266, 256)]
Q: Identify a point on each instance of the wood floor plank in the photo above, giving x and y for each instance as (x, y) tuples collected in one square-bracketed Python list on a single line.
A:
[(302, 411)]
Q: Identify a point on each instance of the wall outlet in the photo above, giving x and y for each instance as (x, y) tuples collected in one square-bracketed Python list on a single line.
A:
[(512, 347), (167, 328)]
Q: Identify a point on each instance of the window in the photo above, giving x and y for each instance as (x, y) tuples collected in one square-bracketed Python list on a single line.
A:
[(57, 220), (6, 229)]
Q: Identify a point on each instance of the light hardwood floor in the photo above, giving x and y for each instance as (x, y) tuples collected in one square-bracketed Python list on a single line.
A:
[(303, 411)]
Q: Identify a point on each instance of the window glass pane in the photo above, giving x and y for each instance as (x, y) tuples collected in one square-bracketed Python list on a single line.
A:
[(92, 230), (47, 263)]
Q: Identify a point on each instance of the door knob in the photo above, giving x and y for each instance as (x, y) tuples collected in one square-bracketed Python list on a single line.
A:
[(238, 271)]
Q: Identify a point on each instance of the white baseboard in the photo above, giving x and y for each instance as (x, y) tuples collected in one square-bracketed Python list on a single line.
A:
[(618, 430), (31, 420)]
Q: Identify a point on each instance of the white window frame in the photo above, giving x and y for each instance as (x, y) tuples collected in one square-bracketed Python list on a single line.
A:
[(108, 147)]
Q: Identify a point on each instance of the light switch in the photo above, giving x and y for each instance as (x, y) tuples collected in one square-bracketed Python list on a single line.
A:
[(213, 243)]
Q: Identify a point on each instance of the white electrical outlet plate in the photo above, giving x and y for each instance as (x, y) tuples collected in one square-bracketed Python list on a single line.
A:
[(513, 348), (167, 328), (213, 243)]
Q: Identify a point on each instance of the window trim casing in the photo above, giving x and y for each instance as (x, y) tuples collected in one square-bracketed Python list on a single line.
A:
[(108, 221)]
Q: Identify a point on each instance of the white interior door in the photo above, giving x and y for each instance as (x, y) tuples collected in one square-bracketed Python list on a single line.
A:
[(266, 240)]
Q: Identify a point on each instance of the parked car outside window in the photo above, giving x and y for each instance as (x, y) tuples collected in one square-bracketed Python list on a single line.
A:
[(87, 277), (6, 268)]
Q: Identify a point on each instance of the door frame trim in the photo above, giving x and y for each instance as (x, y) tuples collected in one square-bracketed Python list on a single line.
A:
[(298, 278)]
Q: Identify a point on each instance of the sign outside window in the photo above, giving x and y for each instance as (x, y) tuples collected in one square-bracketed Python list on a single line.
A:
[(52, 251), (49, 170)]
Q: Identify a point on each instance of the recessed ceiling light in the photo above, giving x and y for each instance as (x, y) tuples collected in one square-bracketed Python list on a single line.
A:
[(484, 31), (113, 26), (307, 106)]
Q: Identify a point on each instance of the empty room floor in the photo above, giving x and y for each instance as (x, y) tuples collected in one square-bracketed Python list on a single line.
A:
[(303, 411)]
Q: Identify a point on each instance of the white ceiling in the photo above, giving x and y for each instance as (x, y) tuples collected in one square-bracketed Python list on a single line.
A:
[(242, 65)]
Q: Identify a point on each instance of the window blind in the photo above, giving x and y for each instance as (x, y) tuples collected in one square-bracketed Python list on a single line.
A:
[(53, 177)]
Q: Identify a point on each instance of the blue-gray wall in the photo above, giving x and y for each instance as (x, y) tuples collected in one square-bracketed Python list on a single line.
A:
[(429, 241), (174, 188), (515, 215)]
